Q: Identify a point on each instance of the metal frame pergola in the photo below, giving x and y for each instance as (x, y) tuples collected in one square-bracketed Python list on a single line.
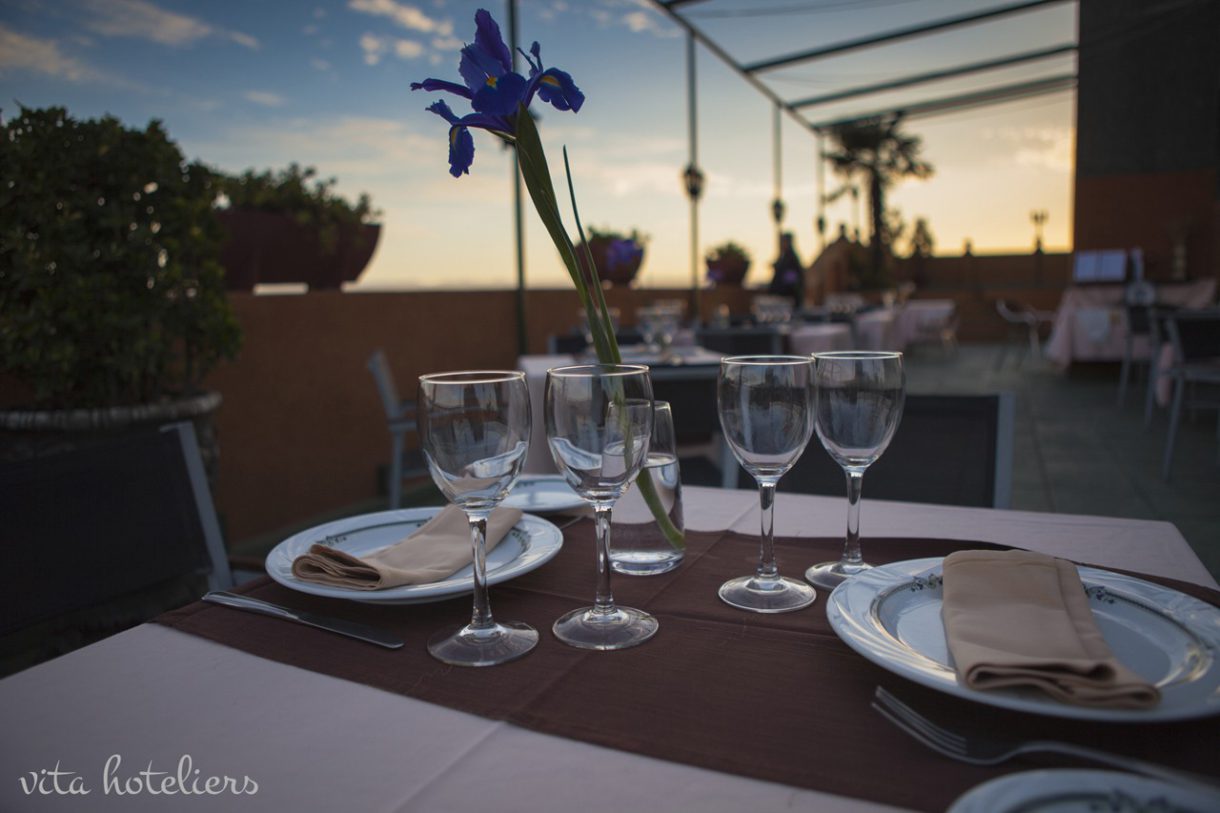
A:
[(799, 109)]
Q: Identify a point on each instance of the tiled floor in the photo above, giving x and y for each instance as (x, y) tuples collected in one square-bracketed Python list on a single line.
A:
[(1076, 452)]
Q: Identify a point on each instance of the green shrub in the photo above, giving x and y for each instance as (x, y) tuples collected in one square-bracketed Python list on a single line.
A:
[(111, 292)]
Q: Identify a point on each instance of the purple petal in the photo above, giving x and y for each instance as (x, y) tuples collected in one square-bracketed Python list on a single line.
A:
[(441, 84), (557, 89), (487, 37), (500, 96), (461, 151)]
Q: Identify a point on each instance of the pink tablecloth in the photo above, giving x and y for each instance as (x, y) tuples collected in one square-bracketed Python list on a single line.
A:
[(1091, 322)]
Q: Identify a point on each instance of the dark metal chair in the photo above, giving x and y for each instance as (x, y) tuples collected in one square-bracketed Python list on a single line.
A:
[(1024, 326), (401, 419), (1195, 338)]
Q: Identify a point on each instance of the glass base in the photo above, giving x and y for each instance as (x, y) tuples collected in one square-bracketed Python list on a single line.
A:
[(829, 575), (778, 595), (499, 643), (621, 628), (644, 563)]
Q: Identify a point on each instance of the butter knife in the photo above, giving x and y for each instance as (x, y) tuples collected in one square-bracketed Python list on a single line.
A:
[(349, 628)]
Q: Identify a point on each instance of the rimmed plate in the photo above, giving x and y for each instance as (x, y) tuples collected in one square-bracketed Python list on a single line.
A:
[(1081, 791), (891, 615), (543, 494), (531, 543)]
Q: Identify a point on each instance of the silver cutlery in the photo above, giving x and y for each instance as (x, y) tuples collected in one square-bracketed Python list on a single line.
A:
[(977, 750), (351, 629)]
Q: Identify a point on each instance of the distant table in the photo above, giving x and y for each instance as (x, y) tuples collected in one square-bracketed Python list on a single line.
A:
[(1091, 322), (806, 339)]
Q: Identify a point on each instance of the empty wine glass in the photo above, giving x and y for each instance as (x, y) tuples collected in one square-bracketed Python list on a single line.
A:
[(475, 432), (598, 424), (858, 404), (766, 413)]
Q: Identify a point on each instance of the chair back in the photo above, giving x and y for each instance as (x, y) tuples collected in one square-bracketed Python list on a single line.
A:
[(1195, 335), (1012, 312), (104, 520), (949, 449), (380, 368)]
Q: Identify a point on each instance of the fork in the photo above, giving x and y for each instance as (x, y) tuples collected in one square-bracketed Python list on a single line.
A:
[(977, 750)]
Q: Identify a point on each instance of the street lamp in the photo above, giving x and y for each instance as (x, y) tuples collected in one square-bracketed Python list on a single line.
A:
[(1039, 217)]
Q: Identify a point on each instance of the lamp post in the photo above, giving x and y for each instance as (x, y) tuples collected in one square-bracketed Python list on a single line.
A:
[(1039, 218)]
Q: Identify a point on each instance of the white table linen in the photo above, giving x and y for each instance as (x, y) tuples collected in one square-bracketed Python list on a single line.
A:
[(153, 693)]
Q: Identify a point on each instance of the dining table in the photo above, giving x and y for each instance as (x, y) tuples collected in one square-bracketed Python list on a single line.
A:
[(320, 723)]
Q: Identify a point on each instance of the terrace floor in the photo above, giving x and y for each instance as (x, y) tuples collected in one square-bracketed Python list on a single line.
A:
[(1075, 451)]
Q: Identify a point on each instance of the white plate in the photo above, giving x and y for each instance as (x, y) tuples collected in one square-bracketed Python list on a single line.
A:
[(543, 494), (891, 615), (530, 544), (1073, 791)]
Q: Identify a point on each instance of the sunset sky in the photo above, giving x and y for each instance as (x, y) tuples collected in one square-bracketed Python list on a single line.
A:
[(326, 83)]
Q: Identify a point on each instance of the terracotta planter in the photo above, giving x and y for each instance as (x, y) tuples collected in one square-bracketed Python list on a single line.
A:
[(616, 271), (273, 248), (724, 273)]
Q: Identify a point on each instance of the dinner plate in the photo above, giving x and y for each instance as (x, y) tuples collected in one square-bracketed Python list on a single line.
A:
[(543, 494), (1081, 791), (891, 615), (531, 543)]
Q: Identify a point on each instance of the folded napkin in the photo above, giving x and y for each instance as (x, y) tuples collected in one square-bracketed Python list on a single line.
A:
[(436, 550), (1016, 618)]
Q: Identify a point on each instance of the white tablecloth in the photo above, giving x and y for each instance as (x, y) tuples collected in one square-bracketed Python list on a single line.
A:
[(1091, 322), (806, 339), (316, 743)]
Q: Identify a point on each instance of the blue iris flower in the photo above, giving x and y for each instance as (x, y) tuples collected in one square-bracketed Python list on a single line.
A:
[(495, 91), (623, 254)]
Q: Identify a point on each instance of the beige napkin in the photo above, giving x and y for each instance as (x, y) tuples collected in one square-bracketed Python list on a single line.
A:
[(436, 550), (1016, 618)]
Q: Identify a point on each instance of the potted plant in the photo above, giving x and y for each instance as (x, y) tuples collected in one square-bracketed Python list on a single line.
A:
[(288, 227), (112, 300), (618, 256), (727, 264)]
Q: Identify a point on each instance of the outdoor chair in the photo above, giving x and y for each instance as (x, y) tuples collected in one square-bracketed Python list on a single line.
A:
[(1195, 338), (938, 329), (400, 420), (948, 450), (571, 344), (1139, 298), (103, 534), (1024, 326)]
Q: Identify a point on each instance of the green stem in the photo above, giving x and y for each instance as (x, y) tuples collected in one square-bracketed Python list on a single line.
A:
[(537, 176)]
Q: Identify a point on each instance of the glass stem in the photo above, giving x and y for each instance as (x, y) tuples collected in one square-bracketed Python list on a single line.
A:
[(604, 602), (766, 554), (851, 549), (480, 618)]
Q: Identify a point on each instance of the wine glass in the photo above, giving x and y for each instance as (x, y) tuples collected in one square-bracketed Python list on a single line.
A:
[(766, 413), (598, 425), (858, 404), (475, 432)]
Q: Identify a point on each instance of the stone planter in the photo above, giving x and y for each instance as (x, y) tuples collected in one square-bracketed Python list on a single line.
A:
[(25, 433), (268, 247)]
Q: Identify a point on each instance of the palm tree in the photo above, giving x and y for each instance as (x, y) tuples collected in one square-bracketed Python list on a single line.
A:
[(876, 151)]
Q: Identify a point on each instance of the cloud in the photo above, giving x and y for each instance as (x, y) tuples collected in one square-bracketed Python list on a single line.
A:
[(447, 43), (408, 49), (320, 64), (22, 53), (1043, 147), (407, 16), (143, 20), (373, 48), (264, 98)]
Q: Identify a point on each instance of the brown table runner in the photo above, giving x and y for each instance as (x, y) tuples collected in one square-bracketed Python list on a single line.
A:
[(778, 697)]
